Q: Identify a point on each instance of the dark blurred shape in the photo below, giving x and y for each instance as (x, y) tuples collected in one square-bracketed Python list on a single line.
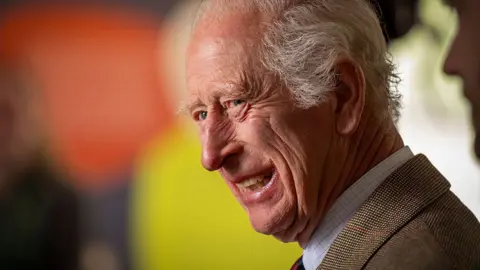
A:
[(397, 16), (108, 212), (38, 211), (158, 8), (39, 222)]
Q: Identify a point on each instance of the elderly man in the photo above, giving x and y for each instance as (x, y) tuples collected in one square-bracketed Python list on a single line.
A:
[(464, 58), (295, 110)]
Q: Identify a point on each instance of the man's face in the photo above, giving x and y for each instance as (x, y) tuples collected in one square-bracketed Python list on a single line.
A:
[(464, 58), (271, 154)]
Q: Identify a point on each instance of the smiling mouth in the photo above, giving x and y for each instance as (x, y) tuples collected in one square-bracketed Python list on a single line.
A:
[(255, 183)]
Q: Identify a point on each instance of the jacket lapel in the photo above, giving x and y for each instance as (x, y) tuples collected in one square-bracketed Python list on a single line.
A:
[(403, 195)]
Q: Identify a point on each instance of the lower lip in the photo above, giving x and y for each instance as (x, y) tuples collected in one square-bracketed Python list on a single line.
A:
[(258, 196)]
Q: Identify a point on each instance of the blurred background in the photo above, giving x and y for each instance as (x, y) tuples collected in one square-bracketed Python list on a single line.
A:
[(96, 166)]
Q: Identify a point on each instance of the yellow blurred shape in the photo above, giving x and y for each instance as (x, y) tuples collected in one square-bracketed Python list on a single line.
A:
[(186, 217)]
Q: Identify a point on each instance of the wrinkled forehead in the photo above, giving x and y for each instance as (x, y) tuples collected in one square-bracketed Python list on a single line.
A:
[(232, 29), (234, 17), (230, 25), (219, 53), (216, 67), (215, 50)]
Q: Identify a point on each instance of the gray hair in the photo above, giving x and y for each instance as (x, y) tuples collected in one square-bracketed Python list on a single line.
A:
[(304, 39)]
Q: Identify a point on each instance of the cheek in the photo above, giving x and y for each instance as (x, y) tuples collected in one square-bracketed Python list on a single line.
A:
[(307, 138), (255, 132), (304, 135)]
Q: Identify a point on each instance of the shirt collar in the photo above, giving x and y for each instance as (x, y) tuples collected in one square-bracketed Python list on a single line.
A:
[(346, 205)]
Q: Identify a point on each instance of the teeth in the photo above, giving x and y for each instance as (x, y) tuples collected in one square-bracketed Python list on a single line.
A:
[(250, 182)]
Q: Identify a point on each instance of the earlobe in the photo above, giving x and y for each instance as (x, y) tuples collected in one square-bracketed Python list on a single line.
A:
[(350, 95)]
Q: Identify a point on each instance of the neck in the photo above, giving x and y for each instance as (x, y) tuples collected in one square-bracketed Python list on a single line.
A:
[(372, 146), (373, 142)]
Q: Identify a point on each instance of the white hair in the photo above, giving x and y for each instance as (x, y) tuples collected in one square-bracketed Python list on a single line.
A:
[(304, 38)]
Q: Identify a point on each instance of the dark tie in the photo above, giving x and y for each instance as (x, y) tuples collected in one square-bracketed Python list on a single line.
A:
[(298, 265)]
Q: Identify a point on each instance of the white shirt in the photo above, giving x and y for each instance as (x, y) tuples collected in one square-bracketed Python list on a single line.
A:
[(346, 205)]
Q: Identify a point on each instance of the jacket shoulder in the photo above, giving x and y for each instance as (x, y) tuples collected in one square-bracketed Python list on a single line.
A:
[(445, 235), (456, 229)]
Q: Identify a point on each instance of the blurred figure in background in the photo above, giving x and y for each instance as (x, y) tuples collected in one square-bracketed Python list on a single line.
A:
[(464, 58), (104, 101), (38, 212)]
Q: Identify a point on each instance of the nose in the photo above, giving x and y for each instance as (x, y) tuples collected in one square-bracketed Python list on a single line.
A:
[(217, 147)]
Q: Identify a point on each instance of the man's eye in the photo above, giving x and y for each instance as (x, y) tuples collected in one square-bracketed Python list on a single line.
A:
[(236, 102), (201, 115)]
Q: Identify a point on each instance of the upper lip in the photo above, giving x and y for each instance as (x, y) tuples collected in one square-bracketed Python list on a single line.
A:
[(240, 178)]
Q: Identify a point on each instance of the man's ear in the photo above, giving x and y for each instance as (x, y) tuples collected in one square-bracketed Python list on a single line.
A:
[(350, 95)]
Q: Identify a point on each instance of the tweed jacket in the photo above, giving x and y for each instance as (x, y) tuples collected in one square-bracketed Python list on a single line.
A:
[(411, 221)]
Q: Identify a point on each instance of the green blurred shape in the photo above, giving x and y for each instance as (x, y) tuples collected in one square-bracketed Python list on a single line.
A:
[(186, 218)]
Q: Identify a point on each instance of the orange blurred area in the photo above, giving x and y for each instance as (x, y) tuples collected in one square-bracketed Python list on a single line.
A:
[(102, 88)]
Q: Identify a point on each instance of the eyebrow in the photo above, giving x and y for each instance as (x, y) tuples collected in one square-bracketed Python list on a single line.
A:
[(186, 108), (248, 84)]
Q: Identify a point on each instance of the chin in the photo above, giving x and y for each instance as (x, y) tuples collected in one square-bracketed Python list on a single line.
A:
[(272, 222)]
